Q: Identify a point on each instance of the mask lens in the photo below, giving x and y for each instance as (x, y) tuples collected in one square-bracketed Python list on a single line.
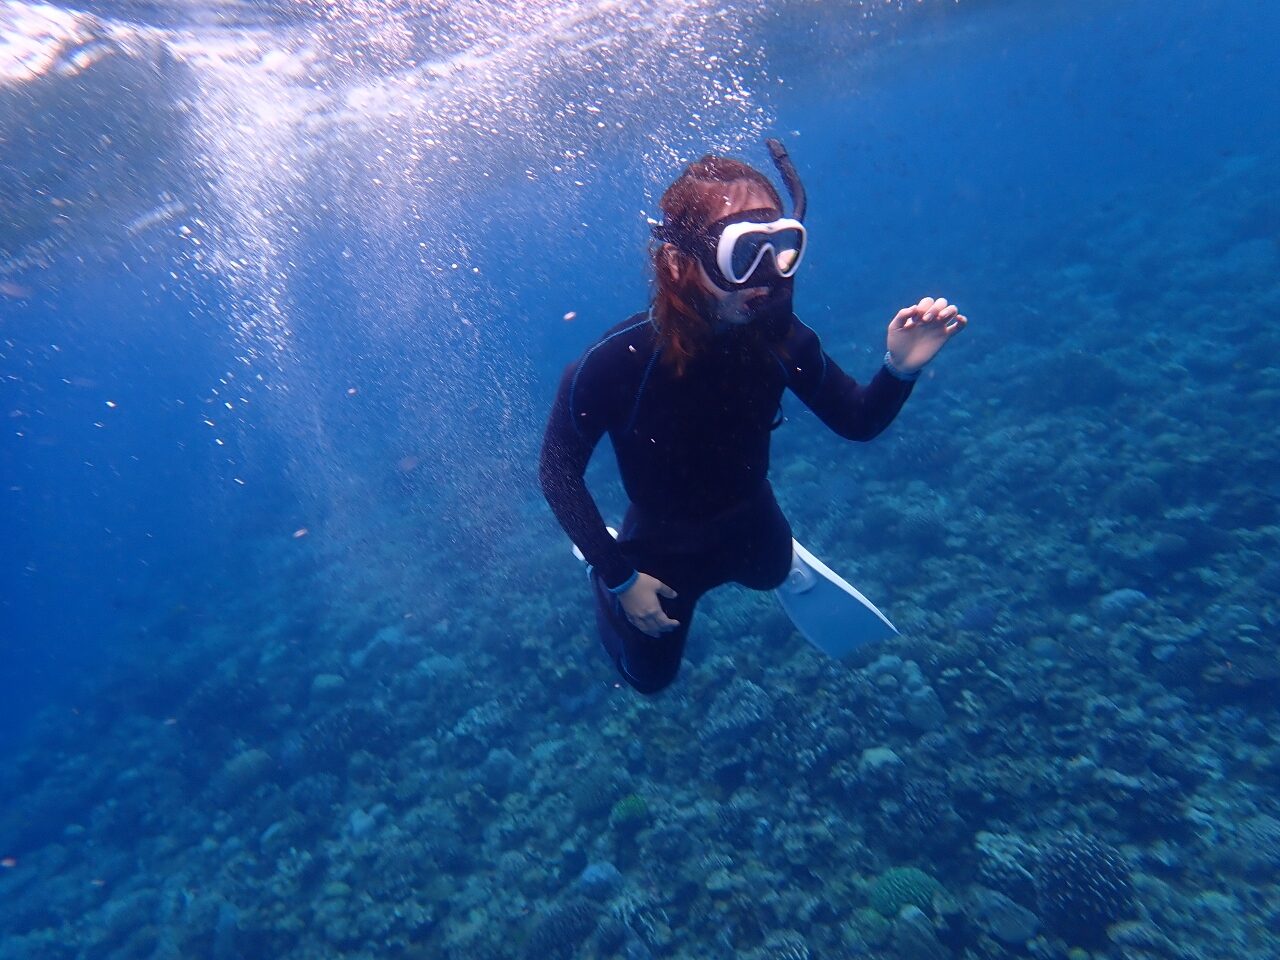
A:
[(787, 247), (746, 255), (747, 252)]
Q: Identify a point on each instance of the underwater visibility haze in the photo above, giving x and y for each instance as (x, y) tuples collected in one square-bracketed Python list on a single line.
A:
[(296, 661)]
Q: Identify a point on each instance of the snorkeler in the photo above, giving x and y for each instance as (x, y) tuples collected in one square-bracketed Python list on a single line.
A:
[(689, 392)]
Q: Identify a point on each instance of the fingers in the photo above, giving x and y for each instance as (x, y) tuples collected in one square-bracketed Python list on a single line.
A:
[(902, 318), (642, 608), (957, 324), (654, 624), (647, 631), (666, 624), (933, 309), (928, 310)]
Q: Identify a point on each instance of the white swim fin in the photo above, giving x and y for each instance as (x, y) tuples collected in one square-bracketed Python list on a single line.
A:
[(829, 612)]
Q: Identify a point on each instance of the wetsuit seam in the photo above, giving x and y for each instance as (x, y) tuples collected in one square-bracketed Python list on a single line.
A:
[(786, 375), (573, 386), (635, 408), (822, 354)]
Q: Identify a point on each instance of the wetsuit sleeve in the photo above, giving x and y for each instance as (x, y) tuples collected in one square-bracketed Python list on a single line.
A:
[(854, 411), (584, 404)]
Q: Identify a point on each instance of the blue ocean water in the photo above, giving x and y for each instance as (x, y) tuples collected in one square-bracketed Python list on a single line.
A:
[(295, 660)]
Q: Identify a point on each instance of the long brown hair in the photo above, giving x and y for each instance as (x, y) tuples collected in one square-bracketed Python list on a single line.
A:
[(692, 202)]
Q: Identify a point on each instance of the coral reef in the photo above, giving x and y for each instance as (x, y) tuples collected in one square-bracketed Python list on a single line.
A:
[(1082, 886), (1071, 751), (898, 887)]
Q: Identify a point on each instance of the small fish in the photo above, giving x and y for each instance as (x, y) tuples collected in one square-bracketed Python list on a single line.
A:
[(170, 209), (81, 58), (15, 290), (9, 862)]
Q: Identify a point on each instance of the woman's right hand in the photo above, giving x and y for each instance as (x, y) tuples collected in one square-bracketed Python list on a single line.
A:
[(640, 604), (918, 332)]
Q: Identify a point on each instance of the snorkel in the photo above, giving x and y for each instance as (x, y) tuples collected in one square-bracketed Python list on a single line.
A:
[(747, 259), (772, 313), (699, 240), (787, 170)]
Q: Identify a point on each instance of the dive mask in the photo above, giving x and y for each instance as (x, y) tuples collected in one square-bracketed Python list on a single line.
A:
[(743, 243), (732, 250)]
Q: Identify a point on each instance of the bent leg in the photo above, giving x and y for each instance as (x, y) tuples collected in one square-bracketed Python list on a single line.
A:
[(750, 544), (760, 556), (647, 663)]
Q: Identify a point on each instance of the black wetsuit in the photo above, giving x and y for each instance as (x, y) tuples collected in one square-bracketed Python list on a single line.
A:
[(693, 451)]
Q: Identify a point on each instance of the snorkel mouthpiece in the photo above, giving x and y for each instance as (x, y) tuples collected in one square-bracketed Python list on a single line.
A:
[(787, 170)]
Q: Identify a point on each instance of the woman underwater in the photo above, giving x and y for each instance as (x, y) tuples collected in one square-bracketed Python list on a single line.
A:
[(689, 392)]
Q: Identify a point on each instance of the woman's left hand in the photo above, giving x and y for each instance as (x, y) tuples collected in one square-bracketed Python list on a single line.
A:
[(918, 332)]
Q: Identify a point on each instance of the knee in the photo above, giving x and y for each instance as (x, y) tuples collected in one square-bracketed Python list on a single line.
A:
[(648, 683), (780, 570), (772, 569)]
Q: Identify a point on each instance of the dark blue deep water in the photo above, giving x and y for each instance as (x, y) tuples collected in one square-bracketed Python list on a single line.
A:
[(294, 660)]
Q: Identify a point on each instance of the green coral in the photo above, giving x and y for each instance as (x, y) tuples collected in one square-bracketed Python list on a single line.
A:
[(629, 813), (875, 929), (898, 887)]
